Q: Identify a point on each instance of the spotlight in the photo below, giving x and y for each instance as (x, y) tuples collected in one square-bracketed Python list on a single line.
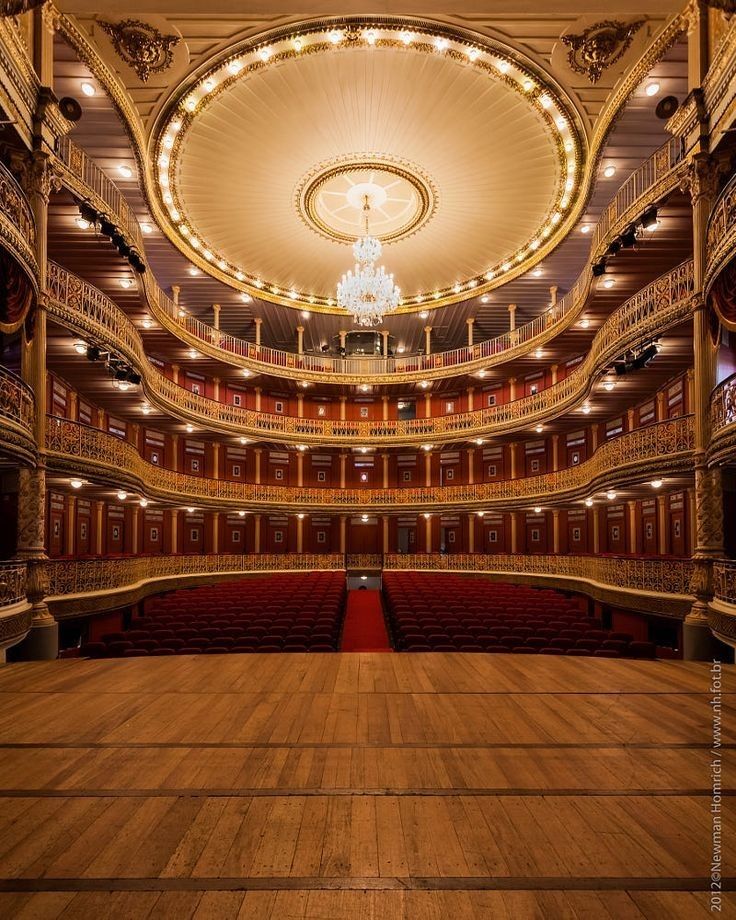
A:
[(645, 357), (599, 268), (93, 353), (107, 227), (649, 218), (610, 495), (88, 213), (628, 237), (134, 378), (614, 247)]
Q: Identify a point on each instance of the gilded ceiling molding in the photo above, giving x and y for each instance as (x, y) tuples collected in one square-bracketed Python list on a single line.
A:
[(600, 46), (141, 46), (130, 117)]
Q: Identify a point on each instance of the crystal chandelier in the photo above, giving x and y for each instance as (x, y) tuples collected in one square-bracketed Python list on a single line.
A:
[(367, 292)]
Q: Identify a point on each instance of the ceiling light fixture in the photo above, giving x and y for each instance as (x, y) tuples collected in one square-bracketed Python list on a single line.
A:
[(610, 495), (190, 429), (125, 171), (76, 483), (146, 228), (586, 409), (657, 483), (143, 503), (369, 293), (241, 513), (608, 283), (589, 502), (126, 282), (82, 222), (609, 171), (80, 348), (652, 89), (122, 495), (537, 509), (88, 88)]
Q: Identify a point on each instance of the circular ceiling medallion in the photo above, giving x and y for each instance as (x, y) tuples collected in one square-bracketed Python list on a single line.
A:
[(331, 199), (499, 148)]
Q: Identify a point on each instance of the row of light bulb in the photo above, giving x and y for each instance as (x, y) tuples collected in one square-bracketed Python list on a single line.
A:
[(371, 35)]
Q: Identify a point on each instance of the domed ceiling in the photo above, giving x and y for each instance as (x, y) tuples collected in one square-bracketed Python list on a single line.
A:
[(469, 162)]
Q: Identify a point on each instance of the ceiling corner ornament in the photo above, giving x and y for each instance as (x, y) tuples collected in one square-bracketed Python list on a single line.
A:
[(600, 46), (141, 46)]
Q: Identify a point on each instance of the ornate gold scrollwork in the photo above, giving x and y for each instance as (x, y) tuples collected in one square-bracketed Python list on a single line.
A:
[(141, 46), (600, 46)]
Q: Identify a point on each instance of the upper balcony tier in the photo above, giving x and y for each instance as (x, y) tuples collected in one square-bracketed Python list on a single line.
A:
[(661, 306), (652, 181)]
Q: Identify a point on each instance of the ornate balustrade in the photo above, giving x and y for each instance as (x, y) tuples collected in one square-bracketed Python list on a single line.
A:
[(722, 609), (660, 306), (366, 562), (12, 583), (647, 184), (723, 420), (17, 414), (15, 611), (78, 586), (19, 84), (656, 450), (721, 234), (719, 101), (656, 585), (17, 226)]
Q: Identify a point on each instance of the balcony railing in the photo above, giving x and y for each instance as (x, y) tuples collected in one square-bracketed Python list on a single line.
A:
[(17, 415), (12, 584), (89, 576), (17, 226), (652, 451), (661, 305), (723, 417), (648, 576), (721, 234), (645, 185)]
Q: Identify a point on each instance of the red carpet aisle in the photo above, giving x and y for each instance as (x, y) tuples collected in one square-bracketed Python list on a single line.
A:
[(365, 628)]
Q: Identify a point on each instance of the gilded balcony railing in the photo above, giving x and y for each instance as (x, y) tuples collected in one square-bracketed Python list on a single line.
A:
[(723, 420), (661, 305), (646, 184), (722, 610), (651, 576), (12, 584), (721, 234), (17, 226), (655, 450), (718, 84), (17, 414), (85, 576)]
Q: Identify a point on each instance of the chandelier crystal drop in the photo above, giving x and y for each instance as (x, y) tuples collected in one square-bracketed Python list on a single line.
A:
[(367, 292)]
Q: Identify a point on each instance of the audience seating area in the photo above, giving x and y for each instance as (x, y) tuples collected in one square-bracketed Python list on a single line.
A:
[(276, 613), (448, 613)]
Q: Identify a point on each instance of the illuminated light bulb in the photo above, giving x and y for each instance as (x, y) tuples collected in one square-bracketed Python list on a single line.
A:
[(503, 66), (126, 282), (245, 297), (534, 245), (146, 228), (652, 89), (364, 518), (506, 266), (424, 384), (436, 295), (209, 84), (610, 495), (407, 37), (400, 350), (609, 171), (234, 67), (556, 217), (168, 144), (80, 348), (568, 146), (482, 374), (586, 409), (545, 101), (258, 283), (240, 276), (657, 483), (221, 263), (190, 429), (485, 299), (424, 315), (264, 54), (190, 510), (87, 88), (441, 43), (241, 513), (300, 516), (301, 447), (560, 124), (538, 353), (125, 171), (335, 36), (456, 288), (480, 513), (427, 447), (370, 36), (364, 450), (537, 273), (479, 441), (427, 515), (608, 283), (297, 44), (143, 502), (193, 353), (146, 410), (537, 509), (76, 483), (473, 283), (147, 323), (589, 502), (182, 312), (244, 440), (190, 105), (489, 275), (304, 384), (609, 385), (194, 243), (208, 255), (122, 495), (528, 86), (82, 223), (585, 228), (539, 429), (364, 389), (472, 54)]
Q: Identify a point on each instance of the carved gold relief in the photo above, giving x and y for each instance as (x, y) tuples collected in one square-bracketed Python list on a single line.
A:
[(600, 46), (141, 46)]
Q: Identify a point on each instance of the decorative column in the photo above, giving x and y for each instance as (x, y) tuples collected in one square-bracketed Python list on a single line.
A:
[(471, 392), (553, 373), (555, 453), (385, 408), (216, 389), (175, 293), (174, 526), (300, 405), (630, 419), (216, 315), (343, 402), (385, 335), (471, 471), (385, 534), (512, 317), (470, 320), (555, 531), (514, 516), (300, 533), (552, 295), (385, 457), (258, 399), (73, 407), (257, 472), (300, 469), (514, 460), (697, 640), (175, 452), (428, 468), (661, 407), (427, 340), (512, 389), (256, 533), (596, 530), (343, 534), (215, 460), (300, 340), (428, 405), (99, 527), (428, 532), (215, 531), (175, 373), (342, 334), (70, 533), (471, 532), (258, 321), (343, 461), (38, 180), (633, 542), (135, 528)]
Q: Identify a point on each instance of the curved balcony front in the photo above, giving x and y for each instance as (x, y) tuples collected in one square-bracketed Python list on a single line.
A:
[(659, 586), (721, 236), (89, 313), (649, 183), (723, 421), (17, 230), (662, 449), (15, 611), (722, 609), (17, 415)]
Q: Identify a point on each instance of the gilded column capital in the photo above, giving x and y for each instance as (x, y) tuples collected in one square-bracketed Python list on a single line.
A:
[(36, 172)]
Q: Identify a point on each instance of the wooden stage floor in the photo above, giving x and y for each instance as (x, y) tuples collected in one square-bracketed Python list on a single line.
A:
[(431, 786)]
